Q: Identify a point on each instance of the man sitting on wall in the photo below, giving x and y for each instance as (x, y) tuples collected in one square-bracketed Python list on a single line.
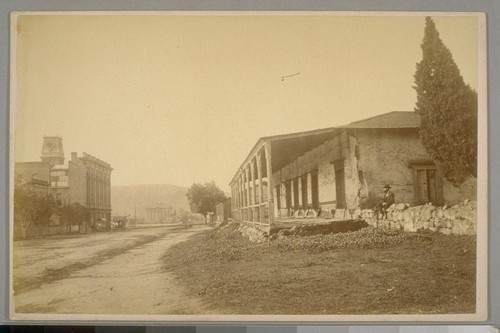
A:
[(387, 201)]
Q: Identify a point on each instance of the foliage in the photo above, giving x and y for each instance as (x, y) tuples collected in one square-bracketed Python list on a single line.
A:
[(32, 207), (74, 213), (371, 202), (447, 108), (181, 215), (203, 198)]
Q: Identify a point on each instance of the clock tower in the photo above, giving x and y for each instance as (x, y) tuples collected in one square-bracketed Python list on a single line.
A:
[(52, 150)]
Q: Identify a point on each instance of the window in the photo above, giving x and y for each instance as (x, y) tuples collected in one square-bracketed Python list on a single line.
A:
[(58, 199), (303, 179), (288, 189), (34, 176), (296, 193), (278, 196), (315, 189), (340, 184)]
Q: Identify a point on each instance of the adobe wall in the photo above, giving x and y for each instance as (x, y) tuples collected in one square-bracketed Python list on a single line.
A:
[(371, 159), (321, 159), (466, 190), (384, 159)]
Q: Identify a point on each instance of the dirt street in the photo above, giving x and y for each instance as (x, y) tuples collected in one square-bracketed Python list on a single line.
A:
[(118, 272)]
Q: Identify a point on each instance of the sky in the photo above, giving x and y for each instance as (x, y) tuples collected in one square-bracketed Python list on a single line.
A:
[(181, 99)]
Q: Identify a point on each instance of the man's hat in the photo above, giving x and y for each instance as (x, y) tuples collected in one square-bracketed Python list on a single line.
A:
[(387, 186)]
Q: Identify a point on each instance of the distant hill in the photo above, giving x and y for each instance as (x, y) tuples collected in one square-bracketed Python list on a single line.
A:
[(124, 198)]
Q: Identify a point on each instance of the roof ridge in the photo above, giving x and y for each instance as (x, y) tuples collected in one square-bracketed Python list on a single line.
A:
[(379, 115)]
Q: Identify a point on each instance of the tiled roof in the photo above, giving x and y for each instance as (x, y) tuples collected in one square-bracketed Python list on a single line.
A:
[(395, 119)]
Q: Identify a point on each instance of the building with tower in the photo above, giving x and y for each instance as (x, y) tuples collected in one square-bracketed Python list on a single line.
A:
[(82, 179)]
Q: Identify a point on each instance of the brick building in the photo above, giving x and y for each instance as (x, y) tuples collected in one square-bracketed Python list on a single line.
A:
[(340, 170), (85, 180)]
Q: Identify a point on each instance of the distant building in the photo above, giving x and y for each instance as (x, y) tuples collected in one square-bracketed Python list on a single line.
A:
[(85, 180), (159, 215), (223, 211), (34, 175)]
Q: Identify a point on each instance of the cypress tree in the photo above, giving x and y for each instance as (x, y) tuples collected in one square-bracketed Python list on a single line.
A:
[(447, 108)]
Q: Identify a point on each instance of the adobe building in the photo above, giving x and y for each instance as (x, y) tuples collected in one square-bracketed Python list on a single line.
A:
[(334, 172), (85, 180)]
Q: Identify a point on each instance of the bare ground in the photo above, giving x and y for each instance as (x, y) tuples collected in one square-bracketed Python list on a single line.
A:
[(108, 273)]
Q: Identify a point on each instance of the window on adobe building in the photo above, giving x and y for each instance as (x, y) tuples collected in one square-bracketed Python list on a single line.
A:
[(278, 196), (340, 184), (303, 179), (315, 189), (296, 193), (288, 189)]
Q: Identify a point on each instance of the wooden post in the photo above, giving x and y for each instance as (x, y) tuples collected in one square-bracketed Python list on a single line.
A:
[(270, 197), (309, 190), (261, 190), (242, 197), (254, 192)]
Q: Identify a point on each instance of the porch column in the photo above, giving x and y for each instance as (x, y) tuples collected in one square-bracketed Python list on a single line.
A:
[(270, 197), (237, 191), (254, 192), (283, 196), (240, 188), (243, 188), (249, 194), (249, 189), (299, 180), (292, 194), (261, 191), (309, 189)]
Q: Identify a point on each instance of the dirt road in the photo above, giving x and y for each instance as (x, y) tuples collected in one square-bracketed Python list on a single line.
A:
[(106, 273)]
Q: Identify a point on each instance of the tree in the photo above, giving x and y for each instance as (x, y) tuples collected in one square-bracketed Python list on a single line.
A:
[(32, 207), (181, 215), (75, 214), (447, 108), (203, 198)]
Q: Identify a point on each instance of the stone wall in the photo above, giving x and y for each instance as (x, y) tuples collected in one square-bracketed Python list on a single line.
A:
[(459, 219)]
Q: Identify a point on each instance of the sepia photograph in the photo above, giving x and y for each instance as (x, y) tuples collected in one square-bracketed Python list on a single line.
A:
[(248, 166)]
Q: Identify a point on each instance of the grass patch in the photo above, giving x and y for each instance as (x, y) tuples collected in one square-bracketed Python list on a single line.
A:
[(370, 271)]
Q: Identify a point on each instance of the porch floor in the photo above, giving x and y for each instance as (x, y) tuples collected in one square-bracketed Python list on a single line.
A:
[(312, 226), (306, 221)]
